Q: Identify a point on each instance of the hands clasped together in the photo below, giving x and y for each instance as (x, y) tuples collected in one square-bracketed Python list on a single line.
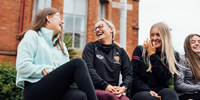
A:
[(117, 90), (149, 46)]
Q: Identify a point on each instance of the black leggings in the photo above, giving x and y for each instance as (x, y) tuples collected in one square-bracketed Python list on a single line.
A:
[(56, 84), (166, 94), (195, 96)]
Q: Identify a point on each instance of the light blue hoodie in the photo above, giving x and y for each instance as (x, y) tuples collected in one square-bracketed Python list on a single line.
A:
[(35, 53)]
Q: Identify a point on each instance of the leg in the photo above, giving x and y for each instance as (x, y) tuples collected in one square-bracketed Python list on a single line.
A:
[(55, 84), (123, 97), (168, 94), (194, 96), (74, 94), (144, 95), (104, 95)]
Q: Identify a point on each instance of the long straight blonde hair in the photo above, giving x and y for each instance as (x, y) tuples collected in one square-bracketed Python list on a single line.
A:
[(167, 52), (193, 57)]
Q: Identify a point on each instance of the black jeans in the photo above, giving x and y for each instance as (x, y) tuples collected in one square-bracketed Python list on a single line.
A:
[(166, 94), (56, 84), (195, 96)]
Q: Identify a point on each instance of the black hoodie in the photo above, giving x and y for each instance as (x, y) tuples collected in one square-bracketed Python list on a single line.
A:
[(105, 62), (146, 81)]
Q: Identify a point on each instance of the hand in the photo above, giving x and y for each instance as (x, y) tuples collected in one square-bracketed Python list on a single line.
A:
[(151, 49), (120, 91), (45, 72), (111, 89), (155, 94)]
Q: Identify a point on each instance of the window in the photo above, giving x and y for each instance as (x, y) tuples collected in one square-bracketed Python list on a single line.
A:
[(39, 5), (101, 10), (74, 17)]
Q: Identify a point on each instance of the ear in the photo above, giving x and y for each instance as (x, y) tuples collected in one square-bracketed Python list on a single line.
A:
[(111, 29), (48, 19)]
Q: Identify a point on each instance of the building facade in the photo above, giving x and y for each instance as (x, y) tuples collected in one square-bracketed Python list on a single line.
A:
[(79, 18)]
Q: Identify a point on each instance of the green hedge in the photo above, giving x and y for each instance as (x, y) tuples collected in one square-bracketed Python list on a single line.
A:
[(8, 89)]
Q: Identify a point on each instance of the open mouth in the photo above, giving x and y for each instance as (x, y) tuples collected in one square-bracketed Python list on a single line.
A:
[(196, 47), (99, 34)]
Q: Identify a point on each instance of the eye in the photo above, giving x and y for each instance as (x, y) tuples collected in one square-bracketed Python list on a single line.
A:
[(192, 42)]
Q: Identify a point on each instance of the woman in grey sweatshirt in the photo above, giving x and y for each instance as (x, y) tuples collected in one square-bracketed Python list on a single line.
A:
[(187, 84)]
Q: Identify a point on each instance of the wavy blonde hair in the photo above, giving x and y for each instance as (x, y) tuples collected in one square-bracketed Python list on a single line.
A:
[(167, 51)]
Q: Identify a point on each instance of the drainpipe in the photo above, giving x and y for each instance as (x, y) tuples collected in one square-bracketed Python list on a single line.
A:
[(21, 16), (123, 15)]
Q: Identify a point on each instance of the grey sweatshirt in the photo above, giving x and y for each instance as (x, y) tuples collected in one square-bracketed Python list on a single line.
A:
[(185, 83)]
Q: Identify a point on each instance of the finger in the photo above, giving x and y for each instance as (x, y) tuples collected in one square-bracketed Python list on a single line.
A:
[(147, 42), (113, 90), (153, 44), (150, 43), (44, 73), (53, 68)]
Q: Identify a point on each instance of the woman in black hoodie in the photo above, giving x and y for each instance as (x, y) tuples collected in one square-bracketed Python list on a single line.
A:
[(153, 65), (105, 59)]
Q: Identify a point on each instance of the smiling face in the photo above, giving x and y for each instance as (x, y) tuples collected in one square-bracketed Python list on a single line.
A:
[(55, 23), (155, 37), (103, 32), (195, 44)]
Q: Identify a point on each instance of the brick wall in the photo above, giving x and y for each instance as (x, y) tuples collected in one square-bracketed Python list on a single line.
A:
[(10, 23), (113, 15)]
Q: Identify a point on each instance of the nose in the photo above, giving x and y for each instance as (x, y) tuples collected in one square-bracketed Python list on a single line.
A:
[(97, 29), (155, 37), (62, 22)]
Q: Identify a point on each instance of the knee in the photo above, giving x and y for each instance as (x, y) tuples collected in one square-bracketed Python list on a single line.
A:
[(104, 95), (144, 95), (167, 91), (79, 96)]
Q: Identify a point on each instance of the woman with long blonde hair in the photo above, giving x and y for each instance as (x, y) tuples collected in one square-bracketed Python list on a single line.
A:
[(153, 65), (187, 84)]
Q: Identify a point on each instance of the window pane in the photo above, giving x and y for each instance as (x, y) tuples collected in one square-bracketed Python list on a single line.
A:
[(43, 4), (68, 22), (79, 40), (48, 3), (40, 4), (68, 6), (80, 24), (80, 7)]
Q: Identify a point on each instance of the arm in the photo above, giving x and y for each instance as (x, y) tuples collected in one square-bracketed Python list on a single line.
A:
[(126, 69), (88, 56), (179, 83), (137, 83), (26, 52)]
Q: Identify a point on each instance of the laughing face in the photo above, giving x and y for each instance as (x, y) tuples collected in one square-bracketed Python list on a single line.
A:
[(56, 23), (155, 37), (103, 31), (195, 44)]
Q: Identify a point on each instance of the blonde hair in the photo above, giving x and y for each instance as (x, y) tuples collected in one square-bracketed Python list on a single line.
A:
[(110, 24), (167, 51)]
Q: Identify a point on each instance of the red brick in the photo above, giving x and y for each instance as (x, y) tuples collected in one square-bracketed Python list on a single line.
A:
[(11, 13)]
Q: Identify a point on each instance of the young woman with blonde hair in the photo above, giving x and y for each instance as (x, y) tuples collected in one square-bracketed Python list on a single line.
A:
[(43, 67), (187, 85), (153, 65), (105, 60)]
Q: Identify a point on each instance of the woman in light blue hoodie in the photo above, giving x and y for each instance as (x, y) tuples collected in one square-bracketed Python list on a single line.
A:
[(43, 66)]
